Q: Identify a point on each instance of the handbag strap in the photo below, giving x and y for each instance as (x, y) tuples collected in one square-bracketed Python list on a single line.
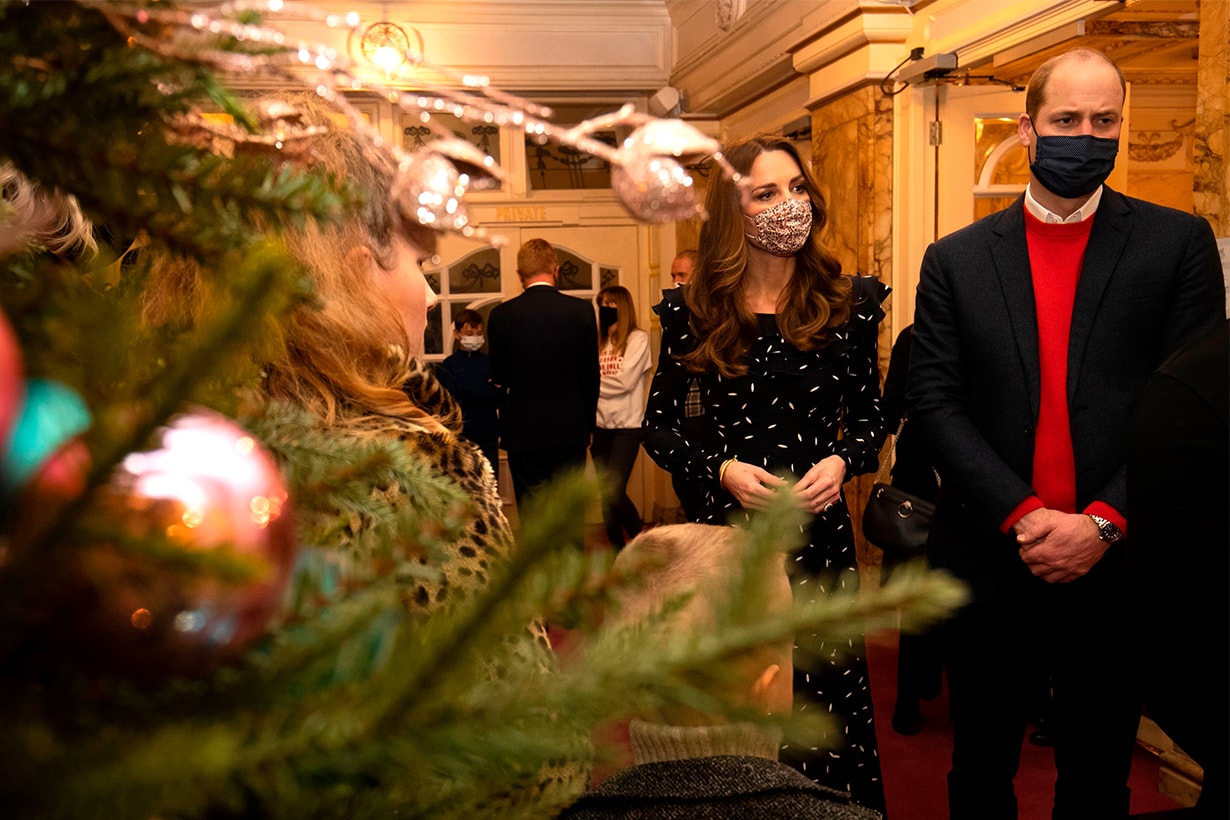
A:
[(887, 458)]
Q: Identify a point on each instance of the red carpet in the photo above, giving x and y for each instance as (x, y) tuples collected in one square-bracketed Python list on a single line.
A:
[(915, 767)]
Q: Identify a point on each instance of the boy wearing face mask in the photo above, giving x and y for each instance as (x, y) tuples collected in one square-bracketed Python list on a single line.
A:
[(1035, 329), (466, 374)]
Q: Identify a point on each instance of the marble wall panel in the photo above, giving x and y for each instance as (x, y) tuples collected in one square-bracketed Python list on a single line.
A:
[(852, 154), (1212, 131)]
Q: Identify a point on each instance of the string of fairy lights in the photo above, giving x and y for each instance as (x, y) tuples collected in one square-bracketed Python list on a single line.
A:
[(648, 174)]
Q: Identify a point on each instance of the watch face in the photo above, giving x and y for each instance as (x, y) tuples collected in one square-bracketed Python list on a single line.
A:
[(1107, 531)]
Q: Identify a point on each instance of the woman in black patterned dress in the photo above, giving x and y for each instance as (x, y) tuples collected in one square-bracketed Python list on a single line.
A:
[(784, 348)]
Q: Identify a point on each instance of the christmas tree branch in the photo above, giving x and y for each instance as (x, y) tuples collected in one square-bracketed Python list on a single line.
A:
[(256, 291)]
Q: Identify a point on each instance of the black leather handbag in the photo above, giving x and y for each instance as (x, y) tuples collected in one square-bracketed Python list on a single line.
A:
[(893, 520)]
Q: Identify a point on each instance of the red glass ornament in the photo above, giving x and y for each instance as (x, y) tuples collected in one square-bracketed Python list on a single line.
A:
[(12, 390)]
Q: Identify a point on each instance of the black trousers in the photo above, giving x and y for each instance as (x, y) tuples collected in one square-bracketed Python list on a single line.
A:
[(531, 469), (920, 657), (614, 452), (996, 646)]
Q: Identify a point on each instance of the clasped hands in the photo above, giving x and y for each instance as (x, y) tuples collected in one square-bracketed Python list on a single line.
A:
[(1058, 547), (754, 487)]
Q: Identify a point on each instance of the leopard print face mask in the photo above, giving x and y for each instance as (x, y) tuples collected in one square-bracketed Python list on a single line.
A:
[(783, 229)]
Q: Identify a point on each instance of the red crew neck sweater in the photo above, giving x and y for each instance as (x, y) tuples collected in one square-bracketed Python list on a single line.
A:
[(1056, 255)]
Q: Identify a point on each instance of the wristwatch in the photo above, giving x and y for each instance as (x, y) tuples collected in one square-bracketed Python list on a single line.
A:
[(1107, 531)]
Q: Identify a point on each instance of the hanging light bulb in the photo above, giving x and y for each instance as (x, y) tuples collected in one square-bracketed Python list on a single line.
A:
[(388, 58)]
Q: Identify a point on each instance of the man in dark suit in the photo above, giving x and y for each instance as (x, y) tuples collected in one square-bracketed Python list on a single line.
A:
[(544, 360), (1035, 330), (1178, 480)]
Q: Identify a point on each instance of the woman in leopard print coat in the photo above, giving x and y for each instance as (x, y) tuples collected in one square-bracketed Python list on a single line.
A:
[(349, 359)]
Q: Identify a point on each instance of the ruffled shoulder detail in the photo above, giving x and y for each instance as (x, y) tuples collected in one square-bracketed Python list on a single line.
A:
[(672, 304), (867, 297), (774, 356), (675, 318)]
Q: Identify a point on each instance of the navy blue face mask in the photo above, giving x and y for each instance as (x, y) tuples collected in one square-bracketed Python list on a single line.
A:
[(1071, 167)]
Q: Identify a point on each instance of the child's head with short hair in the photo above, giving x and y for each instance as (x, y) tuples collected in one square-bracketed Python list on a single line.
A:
[(704, 562)]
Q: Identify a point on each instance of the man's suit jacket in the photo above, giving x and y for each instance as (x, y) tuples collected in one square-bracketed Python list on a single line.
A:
[(1151, 279), (544, 359)]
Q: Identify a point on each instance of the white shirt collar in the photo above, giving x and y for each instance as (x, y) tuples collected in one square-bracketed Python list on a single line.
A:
[(1079, 215)]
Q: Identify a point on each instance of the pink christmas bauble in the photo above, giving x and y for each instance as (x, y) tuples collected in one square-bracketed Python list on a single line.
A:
[(668, 138), (655, 189), (208, 485)]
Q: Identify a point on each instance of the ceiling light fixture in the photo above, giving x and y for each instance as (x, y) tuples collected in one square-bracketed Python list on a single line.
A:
[(389, 47)]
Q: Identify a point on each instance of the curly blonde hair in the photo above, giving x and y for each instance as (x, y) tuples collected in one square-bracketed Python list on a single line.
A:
[(31, 215), (347, 354)]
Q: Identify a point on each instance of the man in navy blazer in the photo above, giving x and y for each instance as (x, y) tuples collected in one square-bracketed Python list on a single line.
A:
[(544, 360), (1035, 330)]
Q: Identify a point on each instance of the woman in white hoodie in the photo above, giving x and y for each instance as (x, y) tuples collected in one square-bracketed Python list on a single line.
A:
[(623, 359)]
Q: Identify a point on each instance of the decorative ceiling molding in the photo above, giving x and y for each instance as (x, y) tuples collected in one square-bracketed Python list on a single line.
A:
[(1127, 31), (770, 112), (724, 70), (863, 66), (978, 31), (1149, 51), (860, 50), (1145, 29), (538, 45), (632, 48)]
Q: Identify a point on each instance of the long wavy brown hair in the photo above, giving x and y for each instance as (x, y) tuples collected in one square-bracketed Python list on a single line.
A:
[(346, 355), (813, 303)]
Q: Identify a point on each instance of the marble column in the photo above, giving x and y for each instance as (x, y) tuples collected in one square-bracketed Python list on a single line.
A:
[(852, 155), (1211, 151)]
